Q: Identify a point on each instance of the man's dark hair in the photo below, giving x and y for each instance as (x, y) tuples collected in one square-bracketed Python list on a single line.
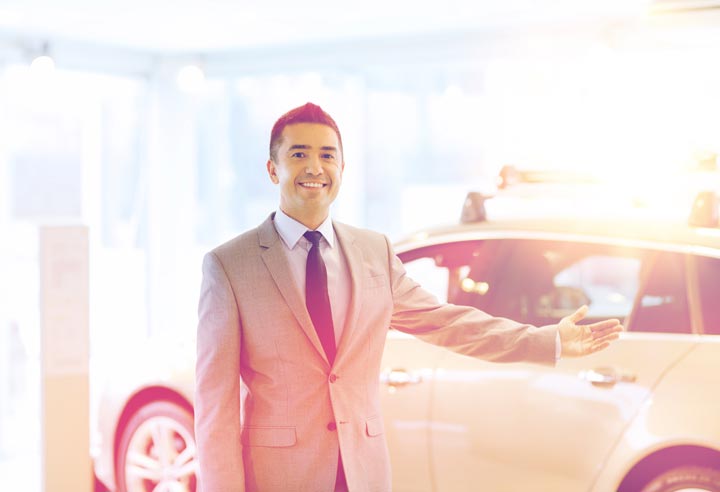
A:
[(307, 113)]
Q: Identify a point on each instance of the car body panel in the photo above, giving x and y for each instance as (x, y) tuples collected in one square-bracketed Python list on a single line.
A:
[(406, 409), (683, 411), (520, 424), (630, 233)]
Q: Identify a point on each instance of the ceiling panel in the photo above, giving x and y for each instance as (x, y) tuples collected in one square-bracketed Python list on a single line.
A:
[(186, 26)]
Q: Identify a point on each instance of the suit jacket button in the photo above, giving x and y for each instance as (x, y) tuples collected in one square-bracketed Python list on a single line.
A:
[(333, 378), (331, 426)]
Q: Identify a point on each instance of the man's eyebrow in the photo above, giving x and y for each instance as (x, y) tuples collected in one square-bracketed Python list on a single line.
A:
[(305, 147)]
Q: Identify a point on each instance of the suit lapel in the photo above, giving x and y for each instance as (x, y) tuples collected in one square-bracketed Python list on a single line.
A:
[(354, 258), (275, 259)]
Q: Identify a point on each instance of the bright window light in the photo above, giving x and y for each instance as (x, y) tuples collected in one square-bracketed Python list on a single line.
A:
[(191, 79)]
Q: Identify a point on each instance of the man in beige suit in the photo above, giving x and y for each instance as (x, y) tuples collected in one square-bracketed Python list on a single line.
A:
[(310, 419)]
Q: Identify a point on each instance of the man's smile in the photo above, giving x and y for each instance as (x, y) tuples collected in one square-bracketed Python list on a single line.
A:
[(311, 184)]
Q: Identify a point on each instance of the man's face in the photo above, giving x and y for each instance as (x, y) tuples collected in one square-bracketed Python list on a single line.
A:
[(308, 166)]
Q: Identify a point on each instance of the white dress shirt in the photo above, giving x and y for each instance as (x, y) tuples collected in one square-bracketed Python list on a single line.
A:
[(297, 247)]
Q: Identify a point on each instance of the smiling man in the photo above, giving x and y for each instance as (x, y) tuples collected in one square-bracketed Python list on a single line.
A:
[(294, 315), (306, 161)]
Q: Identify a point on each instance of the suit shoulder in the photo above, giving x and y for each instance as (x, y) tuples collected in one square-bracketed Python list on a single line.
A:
[(365, 237), (243, 244)]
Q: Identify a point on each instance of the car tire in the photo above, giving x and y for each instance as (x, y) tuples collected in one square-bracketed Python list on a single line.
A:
[(694, 478), (156, 450), (98, 486)]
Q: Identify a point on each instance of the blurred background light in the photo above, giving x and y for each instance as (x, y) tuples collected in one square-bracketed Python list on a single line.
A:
[(42, 65), (191, 79)]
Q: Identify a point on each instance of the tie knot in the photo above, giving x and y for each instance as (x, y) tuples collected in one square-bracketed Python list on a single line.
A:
[(314, 237)]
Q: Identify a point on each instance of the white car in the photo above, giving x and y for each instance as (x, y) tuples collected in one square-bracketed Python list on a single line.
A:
[(643, 415)]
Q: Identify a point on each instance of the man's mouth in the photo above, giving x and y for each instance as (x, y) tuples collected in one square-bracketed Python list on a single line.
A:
[(312, 185)]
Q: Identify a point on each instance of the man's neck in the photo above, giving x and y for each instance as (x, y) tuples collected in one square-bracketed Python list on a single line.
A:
[(309, 220)]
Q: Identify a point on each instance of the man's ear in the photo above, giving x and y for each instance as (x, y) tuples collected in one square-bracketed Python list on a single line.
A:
[(272, 172)]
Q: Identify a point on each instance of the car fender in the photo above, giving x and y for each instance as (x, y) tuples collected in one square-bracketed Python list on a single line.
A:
[(157, 368), (677, 423)]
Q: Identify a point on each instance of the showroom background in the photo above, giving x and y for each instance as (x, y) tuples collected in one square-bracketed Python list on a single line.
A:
[(149, 123)]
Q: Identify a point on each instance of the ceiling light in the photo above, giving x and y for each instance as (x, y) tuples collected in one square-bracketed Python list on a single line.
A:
[(43, 64)]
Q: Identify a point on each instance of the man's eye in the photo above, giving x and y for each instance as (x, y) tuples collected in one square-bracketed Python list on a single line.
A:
[(328, 156), (298, 155)]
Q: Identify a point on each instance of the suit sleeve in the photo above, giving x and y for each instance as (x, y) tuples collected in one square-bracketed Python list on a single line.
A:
[(217, 383), (465, 329)]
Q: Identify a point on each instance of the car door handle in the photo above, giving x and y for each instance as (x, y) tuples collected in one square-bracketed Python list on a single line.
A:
[(400, 377), (606, 376)]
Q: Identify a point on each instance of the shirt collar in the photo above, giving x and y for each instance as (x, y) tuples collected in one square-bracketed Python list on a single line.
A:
[(291, 230)]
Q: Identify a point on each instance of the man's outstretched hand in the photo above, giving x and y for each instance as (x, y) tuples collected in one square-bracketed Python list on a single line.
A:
[(578, 340)]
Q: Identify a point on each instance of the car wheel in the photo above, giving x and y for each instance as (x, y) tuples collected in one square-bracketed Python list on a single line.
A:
[(686, 478), (156, 451), (98, 486)]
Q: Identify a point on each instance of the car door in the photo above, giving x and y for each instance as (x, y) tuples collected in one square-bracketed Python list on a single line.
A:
[(406, 379), (406, 382), (508, 427)]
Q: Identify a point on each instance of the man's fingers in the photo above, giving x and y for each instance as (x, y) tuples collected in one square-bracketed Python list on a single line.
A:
[(604, 325), (579, 314), (604, 340), (607, 331)]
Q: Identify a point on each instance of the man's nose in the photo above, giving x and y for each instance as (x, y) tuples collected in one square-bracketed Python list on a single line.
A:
[(314, 166)]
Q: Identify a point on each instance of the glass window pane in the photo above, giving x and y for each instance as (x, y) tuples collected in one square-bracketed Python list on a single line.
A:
[(709, 279), (663, 305), (540, 282), (432, 277), (441, 269), (610, 282)]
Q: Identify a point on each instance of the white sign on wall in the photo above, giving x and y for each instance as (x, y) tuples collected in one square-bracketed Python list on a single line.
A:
[(64, 306)]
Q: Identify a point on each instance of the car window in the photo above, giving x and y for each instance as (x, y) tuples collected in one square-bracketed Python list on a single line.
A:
[(430, 276), (708, 270), (438, 268), (540, 282), (662, 304), (609, 281)]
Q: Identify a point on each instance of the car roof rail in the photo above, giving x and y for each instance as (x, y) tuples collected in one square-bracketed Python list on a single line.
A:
[(705, 210), (474, 208), (511, 175)]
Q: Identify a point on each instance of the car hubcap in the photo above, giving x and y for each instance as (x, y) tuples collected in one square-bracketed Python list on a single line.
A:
[(161, 457)]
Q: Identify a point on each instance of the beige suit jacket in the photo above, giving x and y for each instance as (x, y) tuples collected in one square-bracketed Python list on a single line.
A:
[(254, 331)]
